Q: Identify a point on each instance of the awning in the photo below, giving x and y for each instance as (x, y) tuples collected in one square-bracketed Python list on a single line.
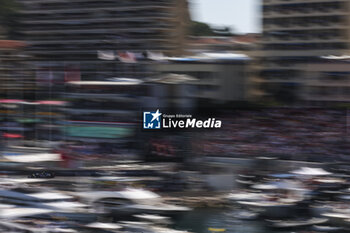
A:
[(172, 79), (52, 102), (28, 120), (10, 135), (11, 101), (98, 132)]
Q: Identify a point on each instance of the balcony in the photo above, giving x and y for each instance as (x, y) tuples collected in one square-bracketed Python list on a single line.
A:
[(309, 37), (305, 23), (54, 4), (300, 53), (81, 8), (279, 2), (303, 10), (62, 20), (103, 25), (150, 30)]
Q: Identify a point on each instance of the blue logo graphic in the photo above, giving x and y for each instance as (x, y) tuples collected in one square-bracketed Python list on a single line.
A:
[(152, 120)]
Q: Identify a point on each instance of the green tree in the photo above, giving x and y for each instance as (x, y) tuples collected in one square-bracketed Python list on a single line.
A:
[(226, 31), (201, 29)]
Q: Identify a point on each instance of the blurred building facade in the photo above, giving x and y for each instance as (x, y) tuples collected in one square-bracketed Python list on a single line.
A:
[(328, 82), (246, 44), (85, 40), (239, 43), (30, 123), (216, 81), (295, 33), (103, 114), (76, 33), (17, 80)]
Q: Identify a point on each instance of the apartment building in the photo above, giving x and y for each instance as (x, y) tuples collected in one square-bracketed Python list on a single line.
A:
[(328, 82), (104, 113), (16, 78), (296, 33), (217, 80), (71, 32)]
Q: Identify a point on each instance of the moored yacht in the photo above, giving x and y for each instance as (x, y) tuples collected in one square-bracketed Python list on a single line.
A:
[(129, 201)]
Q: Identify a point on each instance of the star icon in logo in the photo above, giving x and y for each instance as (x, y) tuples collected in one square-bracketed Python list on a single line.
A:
[(156, 115)]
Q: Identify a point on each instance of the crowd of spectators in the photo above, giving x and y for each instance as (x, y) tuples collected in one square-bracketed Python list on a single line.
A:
[(316, 134)]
